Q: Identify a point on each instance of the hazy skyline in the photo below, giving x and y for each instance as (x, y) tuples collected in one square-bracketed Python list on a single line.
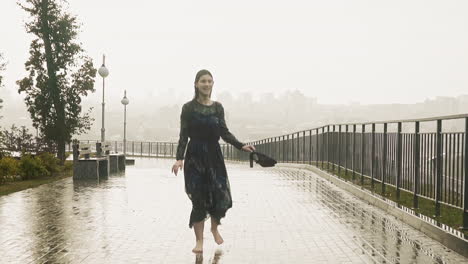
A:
[(336, 51)]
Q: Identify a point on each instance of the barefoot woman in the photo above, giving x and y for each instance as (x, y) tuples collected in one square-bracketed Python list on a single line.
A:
[(206, 179)]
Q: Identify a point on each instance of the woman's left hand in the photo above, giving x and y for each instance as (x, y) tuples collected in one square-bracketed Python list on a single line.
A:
[(248, 148)]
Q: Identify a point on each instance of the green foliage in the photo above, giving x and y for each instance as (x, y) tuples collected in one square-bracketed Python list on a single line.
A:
[(32, 168), (59, 73), (16, 139), (68, 166), (9, 167), (50, 162)]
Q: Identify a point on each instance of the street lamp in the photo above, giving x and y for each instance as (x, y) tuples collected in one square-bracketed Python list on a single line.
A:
[(125, 102), (104, 72)]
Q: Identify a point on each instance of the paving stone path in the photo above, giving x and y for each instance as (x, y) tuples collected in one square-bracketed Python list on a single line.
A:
[(280, 215)]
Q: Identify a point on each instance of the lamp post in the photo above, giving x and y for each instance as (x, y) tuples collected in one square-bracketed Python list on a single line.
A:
[(104, 72), (125, 102)]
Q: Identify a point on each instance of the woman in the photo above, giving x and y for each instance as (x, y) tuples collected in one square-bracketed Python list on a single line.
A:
[(206, 180)]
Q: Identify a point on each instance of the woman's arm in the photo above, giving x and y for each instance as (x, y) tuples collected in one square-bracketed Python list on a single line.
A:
[(183, 135), (224, 133)]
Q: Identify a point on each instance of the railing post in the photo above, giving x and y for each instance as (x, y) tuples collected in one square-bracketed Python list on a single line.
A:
[(333, 149), (270, 146), (278, 148), (346, 151), (328, 148), (363, 152), (133, 148), (283, 143), (172, 150), (384, 158), (235, 152), (282, 148), (417, 153), (465, 182), (303, 146), (398, 161), (268, 140), (322, 142), (262, 142), (354, 152), (310, 147), (438, 167), (292, 148), (372, 156), (275, 149), (298, 147), (339, 150), (317, 148)]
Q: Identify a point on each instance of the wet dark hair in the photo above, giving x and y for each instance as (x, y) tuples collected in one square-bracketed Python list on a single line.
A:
[(200, 73)]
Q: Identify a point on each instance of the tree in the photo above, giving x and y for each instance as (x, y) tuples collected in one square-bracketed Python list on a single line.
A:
[(59, 73), (16, 139)]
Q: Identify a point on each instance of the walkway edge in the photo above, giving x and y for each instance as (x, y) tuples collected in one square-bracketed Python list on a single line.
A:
[(449, 240)]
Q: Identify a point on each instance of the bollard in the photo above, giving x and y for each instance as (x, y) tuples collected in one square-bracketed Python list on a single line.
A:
[(98, 149)]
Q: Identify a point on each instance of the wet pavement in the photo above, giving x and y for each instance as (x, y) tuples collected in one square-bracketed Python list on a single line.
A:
[(279, 215)]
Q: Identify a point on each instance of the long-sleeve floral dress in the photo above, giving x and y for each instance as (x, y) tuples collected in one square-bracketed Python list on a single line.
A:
[(206, 179)]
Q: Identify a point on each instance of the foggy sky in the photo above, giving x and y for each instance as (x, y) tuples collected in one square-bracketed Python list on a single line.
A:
[(337, 51)]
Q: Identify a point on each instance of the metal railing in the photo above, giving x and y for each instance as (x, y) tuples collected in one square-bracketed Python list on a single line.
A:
[(397, 153), (158, 149), (430, 164)]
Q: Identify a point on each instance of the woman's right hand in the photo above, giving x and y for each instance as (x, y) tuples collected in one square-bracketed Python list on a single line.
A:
[(177, 165)]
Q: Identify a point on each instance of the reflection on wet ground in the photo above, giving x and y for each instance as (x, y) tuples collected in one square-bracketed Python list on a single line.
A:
[(280, 215), (383, 236)]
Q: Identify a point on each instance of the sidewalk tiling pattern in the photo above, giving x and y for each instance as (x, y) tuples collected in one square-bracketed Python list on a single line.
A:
[(279, 215)]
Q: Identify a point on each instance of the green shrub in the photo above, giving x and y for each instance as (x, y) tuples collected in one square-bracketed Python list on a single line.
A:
[(50, 162), (68, 166), (32, 168), (9, 168)]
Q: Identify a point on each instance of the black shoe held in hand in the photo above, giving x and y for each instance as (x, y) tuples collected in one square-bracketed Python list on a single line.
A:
[(261, 159)]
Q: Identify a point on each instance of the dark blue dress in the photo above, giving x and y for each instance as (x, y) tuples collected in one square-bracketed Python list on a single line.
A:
[(206, 179)]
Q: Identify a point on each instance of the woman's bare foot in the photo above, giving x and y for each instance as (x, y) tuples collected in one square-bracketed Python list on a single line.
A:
[(199, 247), (217, 237)]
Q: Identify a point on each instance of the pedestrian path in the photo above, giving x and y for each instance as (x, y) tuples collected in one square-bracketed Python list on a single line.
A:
[(279, 215)]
